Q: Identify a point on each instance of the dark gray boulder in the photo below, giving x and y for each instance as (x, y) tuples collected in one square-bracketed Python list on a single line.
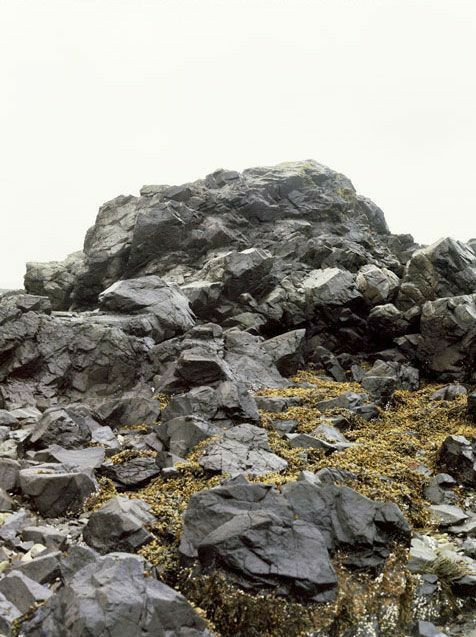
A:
[(22, 592), (55, 280), (449, 392), (362, 528), (377, 285), (457, 456), (111, 596), (56, 490), (182, 434), (387, 376), (447, 348), (129, 410), (119, 525), (286, 351), (239, 526), (133, 472), (59, 426), (444, 269), (150, 295)]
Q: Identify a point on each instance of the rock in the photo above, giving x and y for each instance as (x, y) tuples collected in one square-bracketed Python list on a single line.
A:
[(133, 410), (377, 285), (9, 614), (182, 434), (198, 369), (58, 426), (322, 437), (44, 569), (385, 377), (356, 403), (449, 392), (438, 490), (150, 295), (9, 470), (447, 514), (229, 400), (242, 449), (7, 419), (133, 472), (6, 502), (360, 527), (457, 457), (119, 525), (286, 351), (427, 629), (329, 287), (22, 592), (55, 280), (444, 269), (387, 322), (448, 336), (346, 520), (112, 595), (422, 554), (249, 529), (49, 536), (55, 490), (87, 459)]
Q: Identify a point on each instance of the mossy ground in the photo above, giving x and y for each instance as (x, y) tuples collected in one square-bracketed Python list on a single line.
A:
[(385, 460)]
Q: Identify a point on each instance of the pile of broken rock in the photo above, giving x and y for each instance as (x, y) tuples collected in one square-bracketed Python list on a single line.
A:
[(148, 352)]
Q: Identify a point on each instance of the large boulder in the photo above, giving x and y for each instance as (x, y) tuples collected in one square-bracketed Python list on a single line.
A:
[(457, 456), (56, 279), (377, 285), (447, 348), (445, 268), (119, 525), (239, 527), (55, 489), (150, 295), (111, 596)]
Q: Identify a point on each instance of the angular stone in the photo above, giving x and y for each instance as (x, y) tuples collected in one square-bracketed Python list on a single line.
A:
[(119, 525), (55, 490), (22, 592), (111, 594)]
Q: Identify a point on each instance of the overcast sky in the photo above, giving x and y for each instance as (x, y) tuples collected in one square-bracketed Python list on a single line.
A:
[(100, 97)]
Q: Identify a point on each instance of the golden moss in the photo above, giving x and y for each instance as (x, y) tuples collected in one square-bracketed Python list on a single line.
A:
[(388, 450), (130, 454)]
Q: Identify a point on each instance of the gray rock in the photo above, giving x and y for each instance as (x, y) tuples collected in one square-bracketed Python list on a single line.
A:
[(55, 490), (447, 514), (23, 592), (88, 459), (438, 490), (119, 525), (133, 410), (9, 470), (7, 419), (44, 569), (445, 268), (58, 426), (182, 434), (457, 457), (377, 285), (6, 502), (449, 392), (385, 377), (329, 287), (8, 615), (422, 554), (242, 449), (110, 595), (448, 337), (286, 351), (49, 536), (134, 472), (150, 295), (55, 280)]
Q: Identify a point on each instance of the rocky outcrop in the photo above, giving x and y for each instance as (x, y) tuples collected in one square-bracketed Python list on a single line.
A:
[(157, 373)]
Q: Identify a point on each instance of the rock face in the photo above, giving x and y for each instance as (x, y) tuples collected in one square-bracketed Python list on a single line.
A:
[(161, 371)]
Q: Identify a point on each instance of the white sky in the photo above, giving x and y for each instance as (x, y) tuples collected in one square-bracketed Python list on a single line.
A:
[(100, 97)]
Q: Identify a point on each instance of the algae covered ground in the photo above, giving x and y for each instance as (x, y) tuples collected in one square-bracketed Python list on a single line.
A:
[(388, 463)]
